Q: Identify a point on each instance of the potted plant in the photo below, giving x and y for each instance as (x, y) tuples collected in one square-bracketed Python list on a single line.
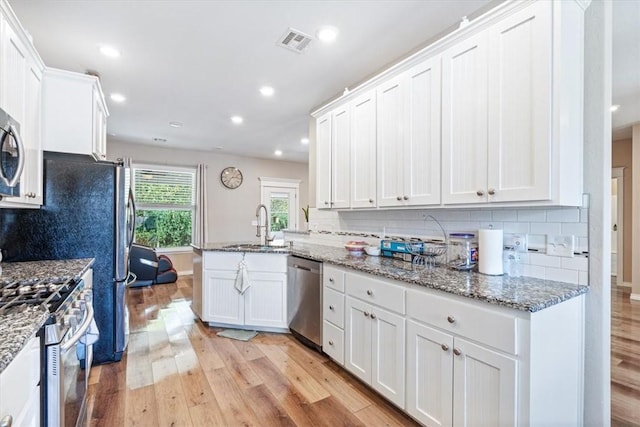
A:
[(306, 217)]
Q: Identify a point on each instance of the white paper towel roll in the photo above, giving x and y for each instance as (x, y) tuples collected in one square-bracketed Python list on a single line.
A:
[(490, 252)]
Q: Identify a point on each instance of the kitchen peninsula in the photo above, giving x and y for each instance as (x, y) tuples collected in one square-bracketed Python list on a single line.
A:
[(474, 340)]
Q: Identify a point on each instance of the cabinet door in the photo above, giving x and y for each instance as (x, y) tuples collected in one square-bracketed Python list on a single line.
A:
[(13, 73), (484, 387), (358, 339), (99, 143), (265, 302), (31, 185), (520, 106), (464, 121), (429, 375), (340, 146), (390, 120), (363, 151), (323, 162), (19, 386), (422, 140), (221, 301), (388, 350)]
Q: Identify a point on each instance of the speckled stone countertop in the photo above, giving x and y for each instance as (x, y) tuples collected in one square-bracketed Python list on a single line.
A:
[(522, 293), (18, 325)]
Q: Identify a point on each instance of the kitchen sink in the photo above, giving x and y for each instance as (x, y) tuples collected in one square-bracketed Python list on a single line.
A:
[(255, 246)]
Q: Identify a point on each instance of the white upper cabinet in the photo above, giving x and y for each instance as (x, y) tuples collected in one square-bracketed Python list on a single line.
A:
[(340, 154), (323, 162), (363, 151), (20, 96), (390, 141), (74, 114), (464, 121)]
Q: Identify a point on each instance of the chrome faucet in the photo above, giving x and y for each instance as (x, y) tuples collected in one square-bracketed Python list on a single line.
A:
[(266, 225)]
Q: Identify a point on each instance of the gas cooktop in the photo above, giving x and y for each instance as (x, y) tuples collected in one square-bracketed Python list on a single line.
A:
[(49, 293)]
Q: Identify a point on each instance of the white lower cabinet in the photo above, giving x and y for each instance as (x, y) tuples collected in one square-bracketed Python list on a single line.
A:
[(263, 305), (20, 387), (451, 381)]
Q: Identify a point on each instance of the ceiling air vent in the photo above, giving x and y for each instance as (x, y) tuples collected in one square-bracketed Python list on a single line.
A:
[(294, 40)]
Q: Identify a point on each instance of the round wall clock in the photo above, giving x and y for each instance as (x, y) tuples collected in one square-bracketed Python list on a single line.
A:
[(231, 177)]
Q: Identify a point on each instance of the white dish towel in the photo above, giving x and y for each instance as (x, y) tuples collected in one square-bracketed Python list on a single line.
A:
[(242, 279)]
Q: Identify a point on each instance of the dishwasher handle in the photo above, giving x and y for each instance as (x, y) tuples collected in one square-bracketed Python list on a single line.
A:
[(305, 268)]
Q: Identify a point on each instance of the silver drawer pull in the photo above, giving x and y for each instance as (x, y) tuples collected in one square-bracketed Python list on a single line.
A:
[(330, 342), (331, 308), (331, 279), (366, 314), (457, 352), (373, 316), (444, 347), (369, 292), (451, 319), (6, 421)]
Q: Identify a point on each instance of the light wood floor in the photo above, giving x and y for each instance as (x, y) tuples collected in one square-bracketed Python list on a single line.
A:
[(177, 372), (625, 358)]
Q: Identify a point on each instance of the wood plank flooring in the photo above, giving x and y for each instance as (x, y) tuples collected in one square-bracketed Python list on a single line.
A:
[(177, 372), (625, 358)]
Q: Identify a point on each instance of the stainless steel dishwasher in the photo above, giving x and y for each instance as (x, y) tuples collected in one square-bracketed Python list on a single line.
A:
[(304, 300)]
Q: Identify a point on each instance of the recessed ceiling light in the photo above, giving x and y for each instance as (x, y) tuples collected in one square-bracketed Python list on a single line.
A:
[(175, 124), (117, 97), (614, 108), (304, 140), (109, 51), (278, 152), (159, 139), (237, 119), (267, 91), (327, 34)]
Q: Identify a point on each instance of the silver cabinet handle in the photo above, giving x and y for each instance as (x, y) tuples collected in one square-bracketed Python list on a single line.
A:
[(326, 203), (451, 319), (457, 352), (444, 347), (370, 200), (331, 279), (492, 191), (398, 198), (406, 197), (330, 342), (480, 193), (369, 292), (6, 421), (373, 316), (366, 314), (331, 308)]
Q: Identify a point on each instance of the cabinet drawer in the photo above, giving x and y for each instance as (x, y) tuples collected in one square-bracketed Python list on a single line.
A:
[(275, 263), (333, 342), (221, 260), (333, 307), (481, 324), (376, 291), (333, 277)]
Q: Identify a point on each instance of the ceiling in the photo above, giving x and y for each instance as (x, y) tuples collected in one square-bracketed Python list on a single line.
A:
[(200, 62)]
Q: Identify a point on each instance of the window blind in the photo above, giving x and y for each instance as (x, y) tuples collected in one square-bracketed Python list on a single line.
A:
[(164, 187)]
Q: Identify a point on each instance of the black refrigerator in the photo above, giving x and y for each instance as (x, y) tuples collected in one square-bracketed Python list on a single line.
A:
[(85, 214)]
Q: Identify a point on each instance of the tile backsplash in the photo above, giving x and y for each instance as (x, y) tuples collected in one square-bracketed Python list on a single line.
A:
[(337, 227)]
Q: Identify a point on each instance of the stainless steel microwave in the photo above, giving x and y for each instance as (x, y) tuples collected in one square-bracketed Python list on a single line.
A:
[(11, 156)]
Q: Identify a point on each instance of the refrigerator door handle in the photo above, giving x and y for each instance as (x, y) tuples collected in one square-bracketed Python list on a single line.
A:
[(132, 219)]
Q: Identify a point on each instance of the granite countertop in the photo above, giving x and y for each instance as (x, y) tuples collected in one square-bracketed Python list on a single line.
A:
[(18, 325), (522, 293)]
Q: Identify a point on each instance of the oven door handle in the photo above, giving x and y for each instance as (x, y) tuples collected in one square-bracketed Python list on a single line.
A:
[(81, 331)]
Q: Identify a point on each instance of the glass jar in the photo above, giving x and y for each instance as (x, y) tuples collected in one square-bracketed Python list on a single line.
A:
[(463, 251)]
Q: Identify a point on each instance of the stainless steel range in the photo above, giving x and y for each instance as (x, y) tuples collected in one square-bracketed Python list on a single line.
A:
[(64, 353)]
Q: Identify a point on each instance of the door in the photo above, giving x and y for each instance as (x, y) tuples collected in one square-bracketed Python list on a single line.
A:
[(388, 351), (265, 302), (390, 120), (282, 208), (422, 141), (485, 391), (519, 147), (429, 375), (358, 339), (222, 301), (464, 121), (340, 154), (31, 184), (323, 162), (363, 151)]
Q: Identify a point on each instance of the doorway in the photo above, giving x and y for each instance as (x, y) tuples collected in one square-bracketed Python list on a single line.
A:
[(280, 196), (617, 226)]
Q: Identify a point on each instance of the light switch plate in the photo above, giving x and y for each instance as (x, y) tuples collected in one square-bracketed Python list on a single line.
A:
[(563, 246), (516, 240)]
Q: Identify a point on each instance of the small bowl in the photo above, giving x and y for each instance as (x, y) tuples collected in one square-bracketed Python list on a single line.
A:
[(372, 250), (355, 248)]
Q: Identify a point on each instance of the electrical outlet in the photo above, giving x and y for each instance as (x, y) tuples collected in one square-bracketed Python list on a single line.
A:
[(516, 241), (560, 245)]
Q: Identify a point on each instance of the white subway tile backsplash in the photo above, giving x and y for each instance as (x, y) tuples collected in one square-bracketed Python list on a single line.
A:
[(545, 228), (449, 215), (578, 229), (584, 215), (491, 224), (582, 244), (480, 215), (563, 215), (544, 260), (537, 241), (561, 275), (579, 263), (533, 215), (583, 278), (505, 215), (516, 227), (533, 271)]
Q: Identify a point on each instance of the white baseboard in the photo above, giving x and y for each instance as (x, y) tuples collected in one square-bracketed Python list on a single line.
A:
[(635, 297), (185, 273)]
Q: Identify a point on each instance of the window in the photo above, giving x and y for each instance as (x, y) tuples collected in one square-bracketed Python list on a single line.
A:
[(165, 202)]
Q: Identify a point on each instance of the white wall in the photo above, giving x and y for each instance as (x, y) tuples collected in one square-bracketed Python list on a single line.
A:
[(230, 212)]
